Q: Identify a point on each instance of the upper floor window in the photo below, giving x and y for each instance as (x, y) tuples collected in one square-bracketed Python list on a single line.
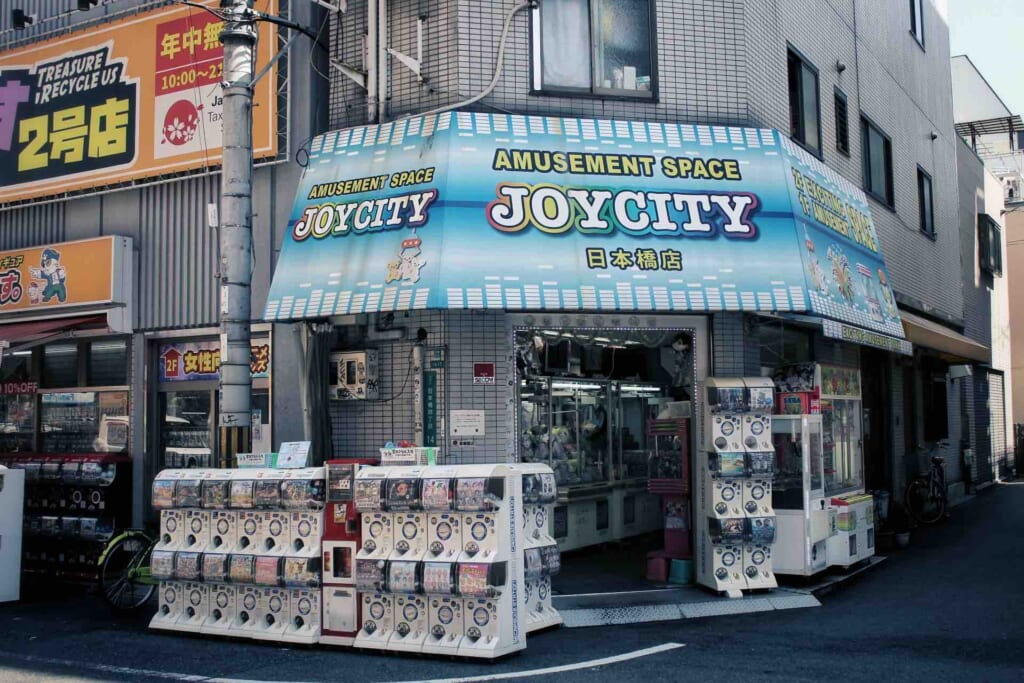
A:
[(842, 124), (594, 47), (990, 245), (917, 20), (924, 200), (804, 118), (876, 149)]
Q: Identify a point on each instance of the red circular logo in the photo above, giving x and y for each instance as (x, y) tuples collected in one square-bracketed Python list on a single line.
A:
[(180, 123)]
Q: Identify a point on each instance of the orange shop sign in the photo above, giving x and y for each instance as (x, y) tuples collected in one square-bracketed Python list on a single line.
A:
[(65, 275), (131, 99)]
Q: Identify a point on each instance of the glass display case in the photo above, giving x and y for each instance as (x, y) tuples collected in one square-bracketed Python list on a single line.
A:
[(843, 459), (17, 422), (84, 422), (564, 424), (798, 461)]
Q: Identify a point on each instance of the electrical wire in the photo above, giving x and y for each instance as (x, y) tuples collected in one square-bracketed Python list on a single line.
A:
[(412, 366), (525, 4)]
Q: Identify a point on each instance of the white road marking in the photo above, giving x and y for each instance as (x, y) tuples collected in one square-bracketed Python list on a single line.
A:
[(510, 675)]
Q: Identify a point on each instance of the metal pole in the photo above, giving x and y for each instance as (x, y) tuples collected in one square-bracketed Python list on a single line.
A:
[(235, 392)]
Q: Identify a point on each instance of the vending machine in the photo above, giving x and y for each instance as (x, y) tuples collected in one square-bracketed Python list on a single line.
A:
[(736, 522), (12, 500), (341, 542)]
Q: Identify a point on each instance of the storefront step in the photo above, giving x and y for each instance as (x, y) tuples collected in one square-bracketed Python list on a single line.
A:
[(688, 602)]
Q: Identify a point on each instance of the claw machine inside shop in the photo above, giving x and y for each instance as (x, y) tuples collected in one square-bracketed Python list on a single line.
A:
[(589, 401), (186, 405), (824, 517)]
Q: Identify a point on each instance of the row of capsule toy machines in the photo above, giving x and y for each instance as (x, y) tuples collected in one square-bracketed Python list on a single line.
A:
[(736, 521), (239, 552), (452, 560)]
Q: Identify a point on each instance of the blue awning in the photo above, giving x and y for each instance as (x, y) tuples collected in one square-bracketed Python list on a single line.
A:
[(473, 210)]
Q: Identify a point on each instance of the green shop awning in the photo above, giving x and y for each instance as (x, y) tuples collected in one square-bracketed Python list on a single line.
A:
[(473, 210)]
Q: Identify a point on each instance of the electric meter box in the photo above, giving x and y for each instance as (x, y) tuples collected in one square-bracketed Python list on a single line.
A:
[(353, 375)]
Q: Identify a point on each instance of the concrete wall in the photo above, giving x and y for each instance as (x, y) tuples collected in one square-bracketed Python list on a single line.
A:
[(1014, 264)]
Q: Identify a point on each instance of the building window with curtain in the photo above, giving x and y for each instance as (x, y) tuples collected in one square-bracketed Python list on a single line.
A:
[(594, 47), (876, 149), (804, 112), (917, 21)]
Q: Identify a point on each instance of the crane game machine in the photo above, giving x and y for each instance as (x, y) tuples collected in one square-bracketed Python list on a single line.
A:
[(341, 542)]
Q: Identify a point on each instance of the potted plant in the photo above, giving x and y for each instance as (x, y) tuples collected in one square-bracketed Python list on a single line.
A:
[(899, 522)]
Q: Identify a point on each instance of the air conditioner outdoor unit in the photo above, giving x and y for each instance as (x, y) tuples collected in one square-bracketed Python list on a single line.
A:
[(353, 376)]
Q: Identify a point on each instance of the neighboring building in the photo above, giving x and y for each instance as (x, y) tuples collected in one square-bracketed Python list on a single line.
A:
[(990, 165)]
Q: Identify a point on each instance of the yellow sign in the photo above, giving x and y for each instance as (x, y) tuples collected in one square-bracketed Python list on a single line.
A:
[(131, 99), (60, 275)]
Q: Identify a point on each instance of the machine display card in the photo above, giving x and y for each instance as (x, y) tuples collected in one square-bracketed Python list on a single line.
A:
[(71, 472), (534, 564), (402, 577), (727, 399), (163, 494), (215, 567), (241, 570), (762, 399), (368, 494), (473, 580), (469, 494), (731, 530), (762, 530), (299, 572), (437, 495), (186, 566), (187, 493), (267, 569), (732, 465), (161, 564), (267, 494), (762, 464), (403, 494), (437, 578), (552, 559), (369, 575), (242, 495), (339, 483), (216, 494), (295, 494)]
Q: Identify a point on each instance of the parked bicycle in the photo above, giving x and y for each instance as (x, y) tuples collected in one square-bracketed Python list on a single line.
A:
[(925, 496), (126, 582)]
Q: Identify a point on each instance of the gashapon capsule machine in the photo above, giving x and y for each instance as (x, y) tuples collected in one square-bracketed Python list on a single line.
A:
[(342, 535), (489, 575), (757, 488), (445, 626), (726, 543), (377, 539), (540, 492)]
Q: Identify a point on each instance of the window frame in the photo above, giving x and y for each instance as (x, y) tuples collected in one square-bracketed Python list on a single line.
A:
[(840, 96), (927, 231), (593, 92), (990, 245), (805, 63), (917, 21), (890, 201)]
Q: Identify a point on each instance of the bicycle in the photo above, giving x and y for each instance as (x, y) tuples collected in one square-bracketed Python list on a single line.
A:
[(925, 496), (125, 580)]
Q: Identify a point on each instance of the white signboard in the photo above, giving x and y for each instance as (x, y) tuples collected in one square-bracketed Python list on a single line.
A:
[(468, 422), (293, 454)]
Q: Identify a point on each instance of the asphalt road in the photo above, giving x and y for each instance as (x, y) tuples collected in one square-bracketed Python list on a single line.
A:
[(947, 609)]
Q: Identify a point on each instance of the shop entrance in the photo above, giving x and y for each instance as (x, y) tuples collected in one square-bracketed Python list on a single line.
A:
[(610, 410)]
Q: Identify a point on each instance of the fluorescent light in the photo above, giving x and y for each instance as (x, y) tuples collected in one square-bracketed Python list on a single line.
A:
[(636, 387), (21, 353), (602, 339), (572, 385)]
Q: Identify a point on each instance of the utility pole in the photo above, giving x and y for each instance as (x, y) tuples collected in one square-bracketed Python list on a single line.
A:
[(235, 391)]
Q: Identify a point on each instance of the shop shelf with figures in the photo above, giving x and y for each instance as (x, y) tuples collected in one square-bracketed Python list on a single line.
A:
[(74, 504)]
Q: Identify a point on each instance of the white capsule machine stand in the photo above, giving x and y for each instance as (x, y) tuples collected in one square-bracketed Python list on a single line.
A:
[(377, 609), (12, 496), (540, 492), (490, 569), (757, 488), (721, 469)]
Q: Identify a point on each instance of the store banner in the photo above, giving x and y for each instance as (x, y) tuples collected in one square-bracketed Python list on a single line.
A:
[(192, 361), (65, 275), (856, 335), (122, 101), (466, 210)]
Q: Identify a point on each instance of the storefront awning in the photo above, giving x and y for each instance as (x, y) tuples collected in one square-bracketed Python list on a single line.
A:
[(20, 334), (924, 332), (472, 210)]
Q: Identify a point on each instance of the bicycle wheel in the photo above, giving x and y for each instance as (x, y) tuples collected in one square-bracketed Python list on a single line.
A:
[(120, 585), (925, 505)]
